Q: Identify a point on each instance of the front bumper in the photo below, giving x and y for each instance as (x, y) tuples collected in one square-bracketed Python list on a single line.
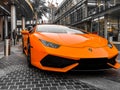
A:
[(54, 63)]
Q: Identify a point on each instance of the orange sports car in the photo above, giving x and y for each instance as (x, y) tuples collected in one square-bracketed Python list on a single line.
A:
[(63, 48)]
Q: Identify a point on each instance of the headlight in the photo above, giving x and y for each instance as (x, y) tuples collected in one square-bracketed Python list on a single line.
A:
[(110, 45), (50, 44)]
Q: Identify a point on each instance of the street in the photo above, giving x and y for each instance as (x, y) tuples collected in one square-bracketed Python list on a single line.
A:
[(16, 75)]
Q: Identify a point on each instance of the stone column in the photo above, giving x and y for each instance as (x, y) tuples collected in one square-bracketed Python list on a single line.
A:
[(13, 19), (6, 26), (23, 22), (1, 28), (105, 27)]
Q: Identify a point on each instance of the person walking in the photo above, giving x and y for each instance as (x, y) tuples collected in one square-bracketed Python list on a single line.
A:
[(14, 36)]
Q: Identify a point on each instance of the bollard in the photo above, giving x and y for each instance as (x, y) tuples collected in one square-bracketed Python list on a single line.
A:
[(7, 47)]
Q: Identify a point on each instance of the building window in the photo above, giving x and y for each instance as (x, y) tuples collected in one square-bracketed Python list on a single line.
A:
[(72, 18)]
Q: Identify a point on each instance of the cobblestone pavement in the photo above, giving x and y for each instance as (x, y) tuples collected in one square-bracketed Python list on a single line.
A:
[(16, 75)]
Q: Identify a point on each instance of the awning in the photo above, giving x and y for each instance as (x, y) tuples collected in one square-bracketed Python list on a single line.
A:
[(23, 8)]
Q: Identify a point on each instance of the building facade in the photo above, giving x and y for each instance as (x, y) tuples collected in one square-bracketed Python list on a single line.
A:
[(10, 12), (96, 16), (52, 8)]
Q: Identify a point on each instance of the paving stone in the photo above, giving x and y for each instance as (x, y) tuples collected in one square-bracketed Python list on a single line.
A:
[(57, 81), (70, 87), (30, 80), (50, 81), (4, 87), (1, 84), (26, 83), (43, 82), (53, 88), (30, 86), (10, 84), (23, 80), (13, 87), (45, 88), (77, 83), (62, 84), (61, 88), (35, 88), (27, 89), (17, 89), (37, 79), (77, 87), (70, 83), (35, 82), (44, 79), (64, 81), (19, 83), (39, 85), (47, 84), (22, 86), (84, 86), (6, 81), (55, 84), (15, 81)]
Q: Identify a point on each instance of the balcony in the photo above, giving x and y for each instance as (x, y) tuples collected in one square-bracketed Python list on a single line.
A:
[(102, 10)]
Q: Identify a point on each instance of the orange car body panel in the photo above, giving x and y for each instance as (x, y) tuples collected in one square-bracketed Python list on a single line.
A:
[(25, 38), (72, 46)]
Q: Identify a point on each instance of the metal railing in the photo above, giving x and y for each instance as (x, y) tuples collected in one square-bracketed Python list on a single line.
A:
[(99, 9)]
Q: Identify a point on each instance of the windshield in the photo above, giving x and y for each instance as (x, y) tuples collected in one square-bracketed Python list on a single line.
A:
[(59, 29)]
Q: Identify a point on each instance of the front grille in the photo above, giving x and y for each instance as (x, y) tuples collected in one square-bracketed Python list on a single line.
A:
[(84, 63), (95, 63)]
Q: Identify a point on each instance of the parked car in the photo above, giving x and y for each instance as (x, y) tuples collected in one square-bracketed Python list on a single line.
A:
[(63, 48)]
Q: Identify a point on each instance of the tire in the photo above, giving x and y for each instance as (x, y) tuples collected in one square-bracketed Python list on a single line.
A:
[(23, 46), (29, 57)]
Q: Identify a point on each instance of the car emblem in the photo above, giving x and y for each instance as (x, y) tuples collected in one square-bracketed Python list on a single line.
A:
[(90, 49)]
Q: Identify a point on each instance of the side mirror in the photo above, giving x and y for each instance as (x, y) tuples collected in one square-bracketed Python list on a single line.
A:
[(30, 29)]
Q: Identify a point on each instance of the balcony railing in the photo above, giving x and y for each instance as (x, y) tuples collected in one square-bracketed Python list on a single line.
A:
[(100, 9)]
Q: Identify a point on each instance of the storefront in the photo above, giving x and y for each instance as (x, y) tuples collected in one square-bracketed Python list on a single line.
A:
[(112, 26)]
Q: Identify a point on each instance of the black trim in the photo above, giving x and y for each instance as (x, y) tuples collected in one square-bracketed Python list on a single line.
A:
[(84, 63), (54, 61), (95, 63)]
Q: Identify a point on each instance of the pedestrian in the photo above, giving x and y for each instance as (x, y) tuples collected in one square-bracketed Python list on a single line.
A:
[(14, 36)]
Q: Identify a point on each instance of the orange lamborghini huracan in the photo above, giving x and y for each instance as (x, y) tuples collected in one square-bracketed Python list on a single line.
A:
[(62, 48)]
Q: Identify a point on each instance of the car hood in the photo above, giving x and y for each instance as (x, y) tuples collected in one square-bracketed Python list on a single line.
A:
[(74, 40)]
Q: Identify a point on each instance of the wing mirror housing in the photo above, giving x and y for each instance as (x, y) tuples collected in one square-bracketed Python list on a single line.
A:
[(30, 29)]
